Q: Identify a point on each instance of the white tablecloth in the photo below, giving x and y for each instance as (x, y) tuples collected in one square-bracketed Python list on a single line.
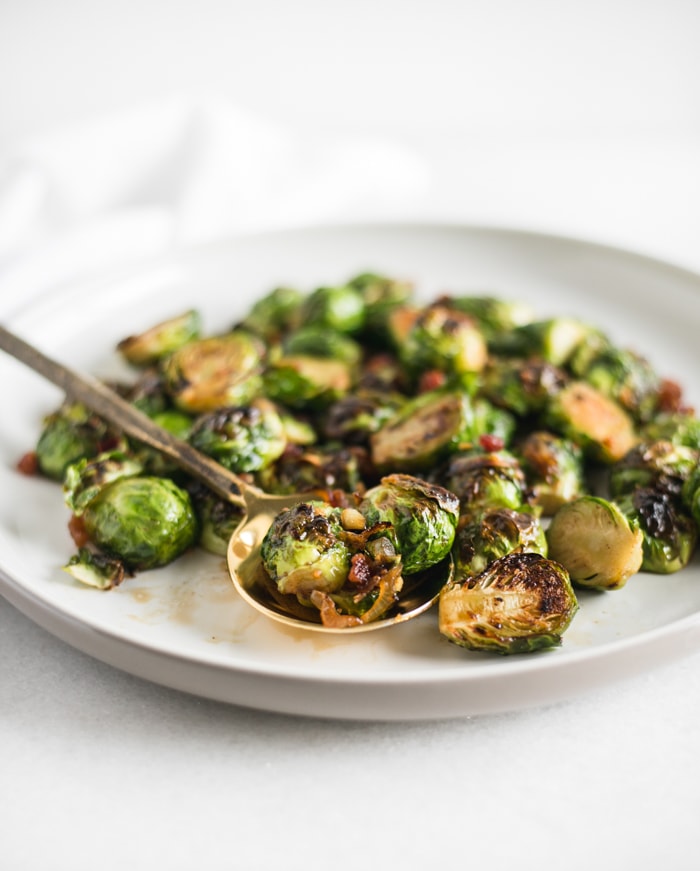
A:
[(103, 770)]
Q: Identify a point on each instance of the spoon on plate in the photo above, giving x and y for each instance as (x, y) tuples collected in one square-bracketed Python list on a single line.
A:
[(245, 566)]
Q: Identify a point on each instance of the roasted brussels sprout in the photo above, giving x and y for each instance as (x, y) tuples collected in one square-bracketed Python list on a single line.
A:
[(339, 308), (597, 423), (307, 382), (217, 519), (319, 341), (492, 315), (661, 465), (304, 550), (440, 338), (627, 378), (215, 372), (85, 479), (178, 424), (275, 313), (522, 602), (670, 533), (553, 468), (68, 435), (380, 295), (598, 545), (681, 428), (494, 533), (690, 494), (317, 468), (354, 418), (144, 521), (242, 438), (94, 569), (554, 340), (422, 518), (425, 429), (148, 393), (523, 386), (485, 479), (162, 339)]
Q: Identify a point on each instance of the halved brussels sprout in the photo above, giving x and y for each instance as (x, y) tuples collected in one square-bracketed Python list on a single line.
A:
[(681, 428), (275, 313), (303, 381), (69, 434), (522, 602), (320, 341), (94, 569), (661, 464), (354, 418), (85, 479), (670, 534), (317, 468), (553, 468), (215, 372), (597, 423), (494, 533), (217, 519), (144, 521), (493, 315), (444, 339), (627, 378), (598, 545), (554, 340), (423, 518), (162, 339), (242, 438), (381, 295), (523, 386), (485, 479), (424, 429)]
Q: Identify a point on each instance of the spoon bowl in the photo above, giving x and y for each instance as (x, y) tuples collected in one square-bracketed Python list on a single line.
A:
[(259, 508)]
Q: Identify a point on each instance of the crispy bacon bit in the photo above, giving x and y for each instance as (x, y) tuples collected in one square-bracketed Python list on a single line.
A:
[(491, 442), (431, 380), (28, 464), (77, 530)]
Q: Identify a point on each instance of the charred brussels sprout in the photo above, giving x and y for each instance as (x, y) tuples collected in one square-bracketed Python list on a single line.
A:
[(380, 295), (627, 378), (670, 534), (423, 518), (522, 602), (307, 382), (316, 341), (485, 479), (85, 479), (316, 468), (338, 308), (524, 387), (444, 339), (681, 428), (241, 438), (553, 468), (275, 314), (162, 339), (68, 435), (494, 533), (217, 519), (492, 315), (425, 429), (355, 418), (597, 544), (597, 423), (94, 569), (144, 521), (215, 372), (304, 550), (554, 340), (661, 465)]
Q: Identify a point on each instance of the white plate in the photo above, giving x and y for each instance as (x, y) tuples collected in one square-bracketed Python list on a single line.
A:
[(183, 626)]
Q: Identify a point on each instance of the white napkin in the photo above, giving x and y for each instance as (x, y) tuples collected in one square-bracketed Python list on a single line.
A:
[(123, 187)]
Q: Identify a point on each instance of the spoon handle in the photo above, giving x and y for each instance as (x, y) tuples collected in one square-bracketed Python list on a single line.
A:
[(125, 417)]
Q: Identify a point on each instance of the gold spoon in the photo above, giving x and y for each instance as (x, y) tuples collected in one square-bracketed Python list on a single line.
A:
[(245, 566)]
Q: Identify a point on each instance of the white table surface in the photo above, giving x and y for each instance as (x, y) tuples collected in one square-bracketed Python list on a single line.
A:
[(102, 770)]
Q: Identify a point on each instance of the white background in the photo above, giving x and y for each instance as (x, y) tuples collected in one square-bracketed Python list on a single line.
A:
[(574, 117)]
